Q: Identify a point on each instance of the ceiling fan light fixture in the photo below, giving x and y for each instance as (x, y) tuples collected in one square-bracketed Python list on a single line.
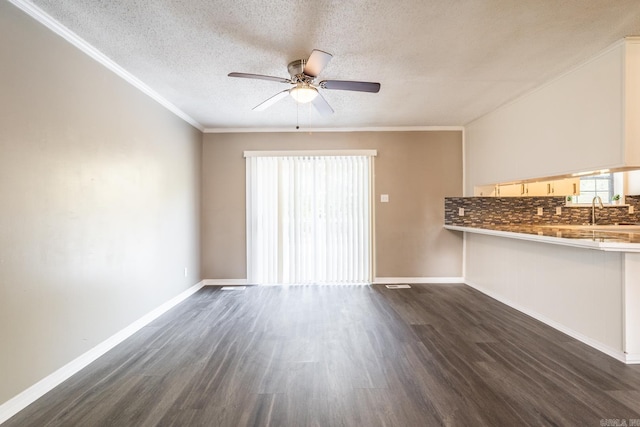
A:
[(303, 93), (303, 89)]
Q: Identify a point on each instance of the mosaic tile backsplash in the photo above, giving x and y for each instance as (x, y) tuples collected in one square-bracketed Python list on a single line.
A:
[(479, 211)]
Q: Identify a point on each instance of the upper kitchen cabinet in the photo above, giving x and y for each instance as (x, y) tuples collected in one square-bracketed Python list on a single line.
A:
[(486, 191), (566, 187), (511, 190), (558, 187), (586, 119)]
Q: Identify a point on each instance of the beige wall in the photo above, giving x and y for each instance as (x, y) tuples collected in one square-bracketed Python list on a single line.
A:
[(100, 202), (416, 169)]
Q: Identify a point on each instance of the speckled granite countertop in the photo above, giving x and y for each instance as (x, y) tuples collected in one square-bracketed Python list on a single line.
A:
[(606, 238)]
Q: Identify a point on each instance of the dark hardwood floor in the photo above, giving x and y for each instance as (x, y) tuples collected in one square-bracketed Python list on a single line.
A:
[(344, 356)]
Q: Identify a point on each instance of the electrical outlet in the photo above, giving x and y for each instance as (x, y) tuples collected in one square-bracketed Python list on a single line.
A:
[(460, 211), (631, 209), (558, 210), (540, 211), (384, 198)]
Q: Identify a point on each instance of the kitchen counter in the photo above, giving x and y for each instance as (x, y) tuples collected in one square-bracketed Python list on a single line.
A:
[(604, 238)]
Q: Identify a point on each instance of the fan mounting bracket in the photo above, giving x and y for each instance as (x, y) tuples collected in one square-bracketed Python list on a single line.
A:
[(296, 71)]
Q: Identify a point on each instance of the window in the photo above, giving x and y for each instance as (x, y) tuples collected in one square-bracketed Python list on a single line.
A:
[(605, 185), (596, 185), (309, 219)]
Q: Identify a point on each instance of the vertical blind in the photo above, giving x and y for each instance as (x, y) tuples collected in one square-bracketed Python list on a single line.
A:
[(309, 219)]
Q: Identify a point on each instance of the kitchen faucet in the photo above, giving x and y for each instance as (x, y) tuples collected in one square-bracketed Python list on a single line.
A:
[(593, 208)]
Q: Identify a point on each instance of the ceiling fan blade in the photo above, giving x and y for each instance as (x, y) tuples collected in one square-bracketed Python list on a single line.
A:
[(259, 77), (316, 63), (269, 102), (350, 85), (322, 105)]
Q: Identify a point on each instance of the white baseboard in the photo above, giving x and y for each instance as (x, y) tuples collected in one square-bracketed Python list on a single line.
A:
[(376, 281), (609, 351), (416, 280), (14, 405), (225, 282), (632, 359)]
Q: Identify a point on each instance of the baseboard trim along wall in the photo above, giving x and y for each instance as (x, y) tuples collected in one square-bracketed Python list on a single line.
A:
[(376, 281), (30, 395), (616, 354), (416, 280), (632, 359), (225, 282)]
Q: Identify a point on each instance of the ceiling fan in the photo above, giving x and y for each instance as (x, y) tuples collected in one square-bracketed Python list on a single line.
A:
[(303, 75)]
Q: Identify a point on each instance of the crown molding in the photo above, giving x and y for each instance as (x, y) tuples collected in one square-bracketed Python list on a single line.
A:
[(59, 29), (346, 129), (55, 26)]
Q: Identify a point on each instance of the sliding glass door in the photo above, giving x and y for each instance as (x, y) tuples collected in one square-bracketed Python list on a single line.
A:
[(309, 218)]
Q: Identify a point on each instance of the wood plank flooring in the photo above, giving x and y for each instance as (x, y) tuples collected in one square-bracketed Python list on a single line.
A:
[(344, 356)]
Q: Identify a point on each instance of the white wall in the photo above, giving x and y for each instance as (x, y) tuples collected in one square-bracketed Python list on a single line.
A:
[(632, 305), (632, 185), (572, 124), (632, 101), (100, 196), (577, 290)]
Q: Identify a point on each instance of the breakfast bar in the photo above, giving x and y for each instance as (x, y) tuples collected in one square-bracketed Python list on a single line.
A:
[(618, 238), (584, 280)]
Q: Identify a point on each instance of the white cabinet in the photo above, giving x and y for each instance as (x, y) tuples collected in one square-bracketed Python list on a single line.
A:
[(511, 190), (560, 187), (530, 189), (540, 188), (566, 187), (486, 191)]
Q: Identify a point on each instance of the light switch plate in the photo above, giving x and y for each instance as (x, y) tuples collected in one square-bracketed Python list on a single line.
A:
[(540, 211), (384, 198), (558, 210)]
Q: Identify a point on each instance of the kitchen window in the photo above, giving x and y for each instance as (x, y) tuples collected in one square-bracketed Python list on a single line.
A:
[(605, 185)]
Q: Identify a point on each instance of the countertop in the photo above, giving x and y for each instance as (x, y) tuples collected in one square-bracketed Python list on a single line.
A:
[(604, 238)]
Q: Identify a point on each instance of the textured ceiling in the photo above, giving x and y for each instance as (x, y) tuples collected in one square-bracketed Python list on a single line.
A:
[(440, 63)]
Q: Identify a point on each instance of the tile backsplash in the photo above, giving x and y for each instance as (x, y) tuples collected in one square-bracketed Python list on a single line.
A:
[(479, 211)]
